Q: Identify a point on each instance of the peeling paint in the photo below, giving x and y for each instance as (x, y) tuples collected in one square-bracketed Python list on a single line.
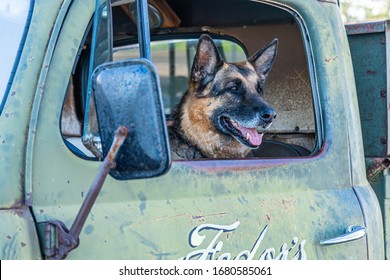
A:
[(331, 59), (89, 229), (370, 72)]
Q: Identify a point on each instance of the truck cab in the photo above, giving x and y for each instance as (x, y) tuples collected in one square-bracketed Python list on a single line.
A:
[(303, 195)]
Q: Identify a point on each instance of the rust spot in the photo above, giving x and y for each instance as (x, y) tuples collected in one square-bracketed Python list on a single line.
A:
[(120, 136), (22, 244), (376, 167), (202, 217), (9, 237), (329, 59), (228, 236), (13, 93), (41, 211), (16, 211), (268, 218), (370, 72)]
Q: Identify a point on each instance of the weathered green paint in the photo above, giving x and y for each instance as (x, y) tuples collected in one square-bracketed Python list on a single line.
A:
[(370, 60), (18, 237), (16, 114), (18, 223), (145, 216), (305, 200), (38, 97), (368, 51)]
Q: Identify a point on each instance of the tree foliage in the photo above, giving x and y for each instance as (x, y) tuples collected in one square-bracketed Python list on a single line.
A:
[(365, 10)]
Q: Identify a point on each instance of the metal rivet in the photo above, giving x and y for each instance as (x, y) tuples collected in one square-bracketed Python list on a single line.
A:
[(384, 140), (383, 93)]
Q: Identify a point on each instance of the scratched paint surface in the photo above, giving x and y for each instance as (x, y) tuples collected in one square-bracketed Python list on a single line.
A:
[(216, 209), (280, 205), (19, 238), (15, 117)]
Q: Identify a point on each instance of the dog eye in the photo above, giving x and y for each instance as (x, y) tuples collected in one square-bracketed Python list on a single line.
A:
[(234, 88)]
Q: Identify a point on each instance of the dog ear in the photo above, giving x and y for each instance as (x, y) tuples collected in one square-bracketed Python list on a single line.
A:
[(206, 61), (264, 59)]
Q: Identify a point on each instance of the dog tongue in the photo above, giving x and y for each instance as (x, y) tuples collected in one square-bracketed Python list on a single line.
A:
[(251, 135)]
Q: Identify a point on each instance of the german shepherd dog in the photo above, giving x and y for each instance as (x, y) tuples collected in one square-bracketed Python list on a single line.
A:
[(223, 113)]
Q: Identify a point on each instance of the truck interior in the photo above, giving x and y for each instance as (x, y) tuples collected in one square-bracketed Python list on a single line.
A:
[(239, 28)]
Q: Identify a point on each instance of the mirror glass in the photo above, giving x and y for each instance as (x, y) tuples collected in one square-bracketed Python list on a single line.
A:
[(127, 93)]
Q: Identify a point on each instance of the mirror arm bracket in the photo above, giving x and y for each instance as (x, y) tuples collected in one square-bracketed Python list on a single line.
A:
[(143, 29), (56, 240)]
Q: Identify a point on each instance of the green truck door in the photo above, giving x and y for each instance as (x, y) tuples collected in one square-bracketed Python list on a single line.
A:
[(242, 209)]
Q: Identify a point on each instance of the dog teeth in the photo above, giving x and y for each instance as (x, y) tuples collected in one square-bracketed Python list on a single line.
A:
[(248, 136), (234, 123)]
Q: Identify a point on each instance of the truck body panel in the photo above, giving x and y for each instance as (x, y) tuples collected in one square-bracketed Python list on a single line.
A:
[(19, 239), (369, 44), (16, 112), (280, 208)]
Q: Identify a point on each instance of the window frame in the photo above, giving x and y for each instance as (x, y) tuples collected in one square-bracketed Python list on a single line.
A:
[(318, 121)]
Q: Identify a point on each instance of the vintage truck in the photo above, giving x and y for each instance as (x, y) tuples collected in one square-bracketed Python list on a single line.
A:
[(318, 187)]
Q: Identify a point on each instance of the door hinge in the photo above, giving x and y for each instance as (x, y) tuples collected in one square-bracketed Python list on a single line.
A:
[(55, 240)]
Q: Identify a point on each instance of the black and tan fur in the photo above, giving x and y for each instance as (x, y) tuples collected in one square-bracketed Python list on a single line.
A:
[(223, 107)]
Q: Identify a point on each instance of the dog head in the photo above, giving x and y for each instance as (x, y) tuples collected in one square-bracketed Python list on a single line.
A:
[(224, 111)]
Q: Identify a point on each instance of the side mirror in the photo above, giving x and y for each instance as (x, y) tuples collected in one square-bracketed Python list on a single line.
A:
[(127, 93)]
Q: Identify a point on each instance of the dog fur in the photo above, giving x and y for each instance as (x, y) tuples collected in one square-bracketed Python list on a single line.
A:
[(223, 109)]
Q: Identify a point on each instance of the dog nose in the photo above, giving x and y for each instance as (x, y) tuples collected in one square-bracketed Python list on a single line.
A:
[(268, 115)]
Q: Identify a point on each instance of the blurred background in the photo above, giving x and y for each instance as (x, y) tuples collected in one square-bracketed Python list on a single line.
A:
[(365, 10)]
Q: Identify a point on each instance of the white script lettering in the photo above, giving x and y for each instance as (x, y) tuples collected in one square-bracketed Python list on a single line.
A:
[(213, 250)]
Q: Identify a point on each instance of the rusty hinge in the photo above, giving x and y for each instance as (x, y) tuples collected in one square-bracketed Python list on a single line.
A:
[(55, 238)]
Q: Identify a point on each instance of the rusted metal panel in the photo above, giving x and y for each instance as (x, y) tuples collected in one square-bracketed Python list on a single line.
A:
[(365, 27), (368, 52)]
